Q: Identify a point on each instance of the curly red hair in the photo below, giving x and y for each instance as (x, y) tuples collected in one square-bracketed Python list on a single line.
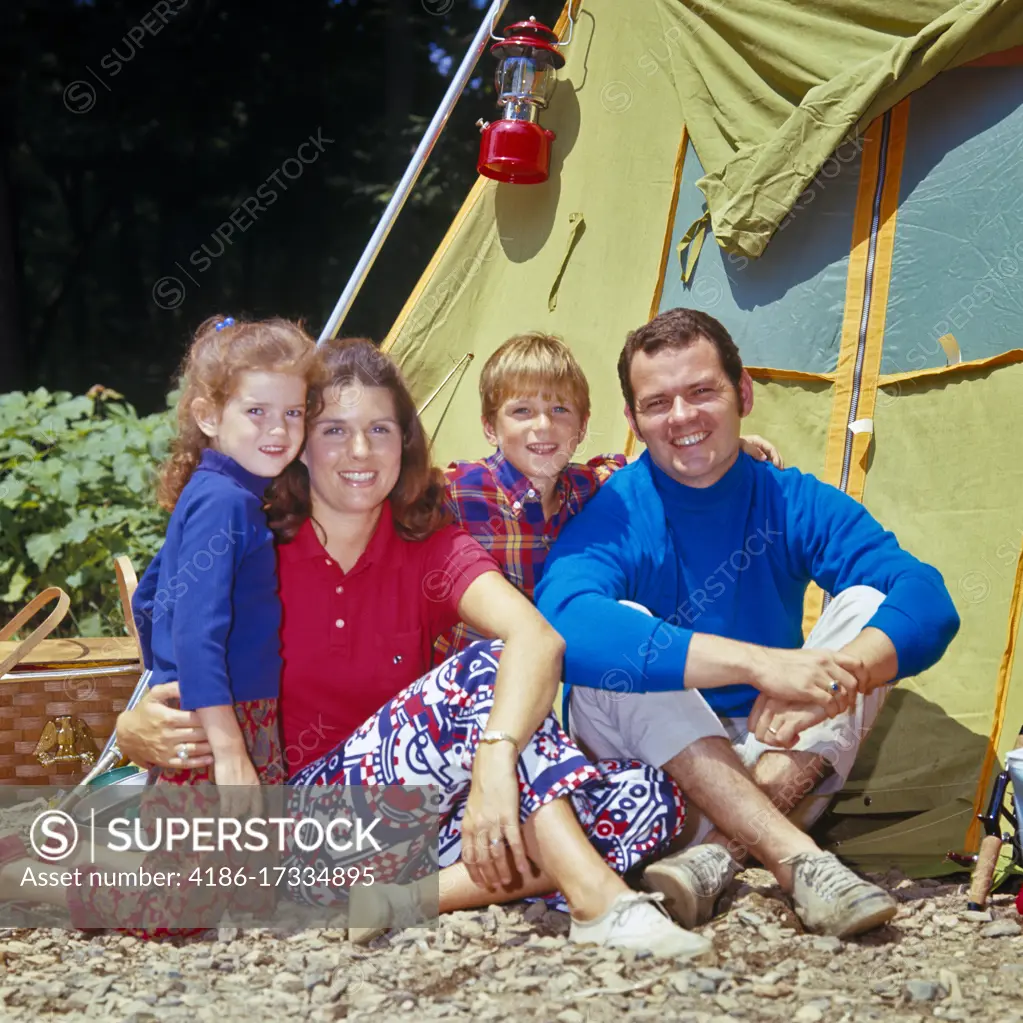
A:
[(418, 500), (210, 370)]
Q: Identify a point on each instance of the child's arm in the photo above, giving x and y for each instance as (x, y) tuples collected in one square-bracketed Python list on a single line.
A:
[(231, 764), (200, 592), (142, 608), (762, 450)]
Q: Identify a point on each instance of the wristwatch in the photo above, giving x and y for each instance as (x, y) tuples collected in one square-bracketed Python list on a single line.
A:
[(491, 737)]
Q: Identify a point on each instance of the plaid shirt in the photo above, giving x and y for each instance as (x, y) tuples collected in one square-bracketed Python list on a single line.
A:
[(493, 502)]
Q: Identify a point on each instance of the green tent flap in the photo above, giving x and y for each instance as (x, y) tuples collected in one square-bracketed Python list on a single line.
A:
[(772, 87)]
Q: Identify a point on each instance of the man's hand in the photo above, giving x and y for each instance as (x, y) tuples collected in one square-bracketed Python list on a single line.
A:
[(828, 679), (490, 827), (776, 723), (153, 733), (762, 450)]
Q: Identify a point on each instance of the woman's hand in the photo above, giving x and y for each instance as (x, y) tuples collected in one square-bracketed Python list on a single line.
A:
[(762, 450), (490, 827), (156, 730)]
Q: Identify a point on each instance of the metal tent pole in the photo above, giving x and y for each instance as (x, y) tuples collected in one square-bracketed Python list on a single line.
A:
[(401, 193)]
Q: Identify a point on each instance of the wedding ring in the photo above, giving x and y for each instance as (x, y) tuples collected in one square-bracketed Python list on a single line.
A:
[(182, 751), (773, 731), (834, 686), (496, 841)]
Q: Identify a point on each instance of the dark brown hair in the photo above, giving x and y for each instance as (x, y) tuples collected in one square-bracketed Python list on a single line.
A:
[(678, 328), (418, 500), (210, 371)]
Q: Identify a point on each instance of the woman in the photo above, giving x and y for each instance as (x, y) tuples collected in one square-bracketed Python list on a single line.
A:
[(370, 577)]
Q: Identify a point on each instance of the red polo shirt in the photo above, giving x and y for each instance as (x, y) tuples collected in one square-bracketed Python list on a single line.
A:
[(350, 641)]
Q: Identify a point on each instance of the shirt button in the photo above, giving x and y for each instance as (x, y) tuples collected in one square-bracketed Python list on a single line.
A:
[(340, 623), (329, 562), (340, 589)]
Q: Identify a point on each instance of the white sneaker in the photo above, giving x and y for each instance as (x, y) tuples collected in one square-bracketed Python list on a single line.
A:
[(635, 920), (691, 881), (830, 899)]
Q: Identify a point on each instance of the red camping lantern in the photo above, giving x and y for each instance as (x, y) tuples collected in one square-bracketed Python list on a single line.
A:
[(516, 149)]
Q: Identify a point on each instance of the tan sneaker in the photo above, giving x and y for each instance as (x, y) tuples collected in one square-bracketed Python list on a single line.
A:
[(635, 920), (691, 881), (375, 909), (830, 899)]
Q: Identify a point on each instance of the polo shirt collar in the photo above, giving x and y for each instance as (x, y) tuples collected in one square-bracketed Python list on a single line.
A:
[(306, 545), (216, 461), (511, 482)]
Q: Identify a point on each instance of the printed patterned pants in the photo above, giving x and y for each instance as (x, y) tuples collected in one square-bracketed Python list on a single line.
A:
[(428, 735), (153, 912)]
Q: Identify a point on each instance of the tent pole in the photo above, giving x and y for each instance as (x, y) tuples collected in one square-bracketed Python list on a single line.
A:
[(421, 155)]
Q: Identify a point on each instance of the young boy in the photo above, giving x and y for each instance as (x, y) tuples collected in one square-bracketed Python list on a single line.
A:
[(535, 408)]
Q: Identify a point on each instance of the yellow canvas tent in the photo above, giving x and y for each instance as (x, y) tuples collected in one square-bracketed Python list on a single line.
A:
[(843, 187)]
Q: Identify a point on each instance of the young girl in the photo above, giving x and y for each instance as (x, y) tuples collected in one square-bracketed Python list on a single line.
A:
[(216, 614), (215, 618)]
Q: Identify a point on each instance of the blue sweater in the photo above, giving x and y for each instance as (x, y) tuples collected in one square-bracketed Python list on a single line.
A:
[(733, 560), (207, 607)]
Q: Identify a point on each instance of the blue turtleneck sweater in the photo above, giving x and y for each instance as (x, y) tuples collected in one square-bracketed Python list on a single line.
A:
[(733, 559), (207, 608)]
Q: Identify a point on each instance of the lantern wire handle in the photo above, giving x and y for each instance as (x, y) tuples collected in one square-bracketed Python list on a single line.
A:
[(571, 25)]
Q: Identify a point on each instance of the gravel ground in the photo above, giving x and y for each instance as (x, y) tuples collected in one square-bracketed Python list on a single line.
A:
[(935, 961)]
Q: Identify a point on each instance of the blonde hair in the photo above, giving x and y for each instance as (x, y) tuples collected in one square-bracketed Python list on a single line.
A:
[(532, 363), (210, 372)]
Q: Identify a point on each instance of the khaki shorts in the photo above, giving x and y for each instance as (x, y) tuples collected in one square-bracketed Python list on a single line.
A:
[(654, 727)]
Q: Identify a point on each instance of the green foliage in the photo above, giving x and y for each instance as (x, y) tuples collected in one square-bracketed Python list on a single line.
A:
[(77, 489)]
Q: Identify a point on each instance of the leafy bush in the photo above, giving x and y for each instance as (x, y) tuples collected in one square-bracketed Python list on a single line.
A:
[(76, 490)]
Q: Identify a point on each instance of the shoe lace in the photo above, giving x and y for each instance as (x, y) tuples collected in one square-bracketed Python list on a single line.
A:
[(626, 904), (829, 878), (710, 870)]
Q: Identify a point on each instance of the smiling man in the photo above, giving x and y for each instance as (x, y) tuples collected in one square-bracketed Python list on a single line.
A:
[(679, 591)]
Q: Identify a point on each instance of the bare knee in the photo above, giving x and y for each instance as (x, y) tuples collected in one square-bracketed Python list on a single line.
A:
[(786, 777)]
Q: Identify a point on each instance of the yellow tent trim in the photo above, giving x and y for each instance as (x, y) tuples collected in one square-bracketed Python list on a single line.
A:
[(666, 247), (871, 369), (474, 196), (770, 375), (1009, 358), (855, 289), (1001, 699)]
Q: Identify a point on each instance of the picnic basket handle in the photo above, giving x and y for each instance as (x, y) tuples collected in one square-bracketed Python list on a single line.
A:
[(33, 639), (127, 583)]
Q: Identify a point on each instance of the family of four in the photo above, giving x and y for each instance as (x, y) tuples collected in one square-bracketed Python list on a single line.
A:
[(330, 608)]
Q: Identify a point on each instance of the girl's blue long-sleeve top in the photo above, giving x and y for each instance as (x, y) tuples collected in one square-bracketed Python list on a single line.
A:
[(207, 608), (733, 559)]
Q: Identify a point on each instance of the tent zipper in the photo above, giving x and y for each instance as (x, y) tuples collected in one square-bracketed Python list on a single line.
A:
[(861, 347)]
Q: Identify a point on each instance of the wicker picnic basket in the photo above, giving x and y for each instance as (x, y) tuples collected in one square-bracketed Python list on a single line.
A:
[(59, 698)]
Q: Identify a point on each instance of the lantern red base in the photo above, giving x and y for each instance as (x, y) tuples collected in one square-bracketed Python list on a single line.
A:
[(516, 152)]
